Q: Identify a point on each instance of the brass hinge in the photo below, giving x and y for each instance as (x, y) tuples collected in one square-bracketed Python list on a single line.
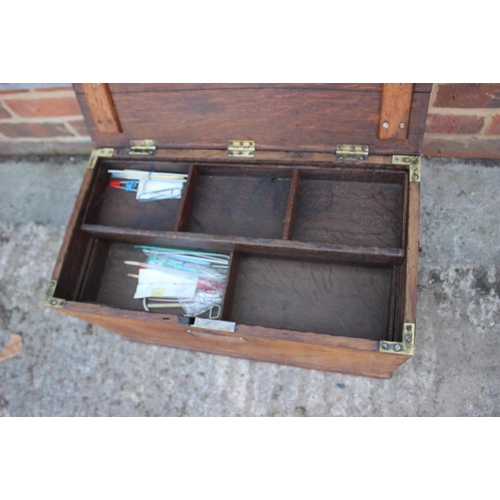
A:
[(406, 347), (241, 149), (352, 152), (99, 153), (142, 147), (50, 300), (414, 163)]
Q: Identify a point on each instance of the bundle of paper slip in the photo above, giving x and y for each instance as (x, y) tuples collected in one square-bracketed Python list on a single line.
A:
[(173, 278), (149, 186)]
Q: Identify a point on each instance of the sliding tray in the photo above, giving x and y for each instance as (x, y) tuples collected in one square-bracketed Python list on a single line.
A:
[(322, 245)]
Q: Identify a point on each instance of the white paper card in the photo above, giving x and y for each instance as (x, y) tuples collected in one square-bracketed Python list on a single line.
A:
[(149, 190), (165, 283)]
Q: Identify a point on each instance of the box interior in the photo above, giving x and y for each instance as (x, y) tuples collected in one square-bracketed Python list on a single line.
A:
[(333, 210)]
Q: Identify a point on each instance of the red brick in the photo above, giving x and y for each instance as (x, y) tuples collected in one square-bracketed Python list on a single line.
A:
[(64, 106), (15, 130), (53, 89), (495, 126), (13, 91), (461, 148), (454, 124), (4, 113), (80, 127), (468, 95)]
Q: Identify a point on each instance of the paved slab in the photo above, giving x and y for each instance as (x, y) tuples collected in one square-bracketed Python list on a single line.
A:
[(70, 368)]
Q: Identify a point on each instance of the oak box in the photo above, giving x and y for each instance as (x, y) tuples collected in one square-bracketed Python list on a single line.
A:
[(311, 189)]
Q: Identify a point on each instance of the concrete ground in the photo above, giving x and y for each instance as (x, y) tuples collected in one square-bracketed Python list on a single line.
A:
[(67, 367)]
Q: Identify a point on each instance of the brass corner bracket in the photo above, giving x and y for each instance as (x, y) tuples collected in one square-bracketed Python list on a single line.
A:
[(99, 153), (50, 300), (407, 347), (414, 164)]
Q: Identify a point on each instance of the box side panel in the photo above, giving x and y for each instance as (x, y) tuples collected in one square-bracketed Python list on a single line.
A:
[(337, 356)]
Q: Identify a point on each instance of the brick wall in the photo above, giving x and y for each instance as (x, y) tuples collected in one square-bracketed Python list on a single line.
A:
[(42, 120), (463, 121)]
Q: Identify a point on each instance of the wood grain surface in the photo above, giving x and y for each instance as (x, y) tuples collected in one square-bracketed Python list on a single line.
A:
[(395, 109), (276, 117), (312, 297), (102, 108), (313, 351), (410, 309), (283, 248), (349, 213)]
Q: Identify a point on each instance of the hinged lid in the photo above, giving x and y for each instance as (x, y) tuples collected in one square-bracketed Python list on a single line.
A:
[(388, 118)]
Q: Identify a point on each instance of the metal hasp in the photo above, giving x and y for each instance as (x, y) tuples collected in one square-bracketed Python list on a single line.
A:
[(50, 300), (414, 163), (142, 147), (352, 152), (99, 153), (241, 149), (215, 324), (407, 347)]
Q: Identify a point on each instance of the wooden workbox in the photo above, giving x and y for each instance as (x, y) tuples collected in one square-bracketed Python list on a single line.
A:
[(313, 191)]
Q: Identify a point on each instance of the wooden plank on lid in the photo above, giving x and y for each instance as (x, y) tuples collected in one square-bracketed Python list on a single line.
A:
[(101, 107), (395, 108)]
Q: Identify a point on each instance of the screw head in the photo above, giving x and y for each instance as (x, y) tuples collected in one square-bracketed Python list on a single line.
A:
[(402, 125), (385, 125), (384, 346), (408, 339), (53, 302), (341, 157), (415, 177), (396, 160), (397, 348)]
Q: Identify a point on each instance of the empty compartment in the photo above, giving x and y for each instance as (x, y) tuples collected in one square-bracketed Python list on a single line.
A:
[(119, 208), (249, 202), (350, 207), (318, 297)]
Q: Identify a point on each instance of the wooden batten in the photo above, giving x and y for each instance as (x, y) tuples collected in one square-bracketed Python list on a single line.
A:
[(395, 109), (101, 107)]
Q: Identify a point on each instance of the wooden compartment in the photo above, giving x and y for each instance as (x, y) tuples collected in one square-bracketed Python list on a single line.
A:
[(312, 296), (324, 246), (119, 208), (240, 202), (349, 207)]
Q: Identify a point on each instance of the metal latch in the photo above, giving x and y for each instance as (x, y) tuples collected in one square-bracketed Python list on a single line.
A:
[(99, 153), (407, 347), (215, 324), (142, 147), (352, 152), (241, 149), (413, 162), (50, 300)]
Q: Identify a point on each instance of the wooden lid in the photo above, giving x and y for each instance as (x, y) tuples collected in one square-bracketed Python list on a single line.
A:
[(390, 118)]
